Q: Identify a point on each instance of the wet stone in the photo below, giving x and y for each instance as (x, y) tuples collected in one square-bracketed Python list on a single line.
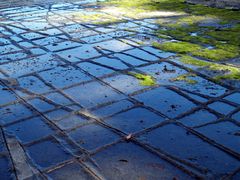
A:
[(41, 105), (198, 118), (6, 96), (56, 114), (163, 73), (236, 116), (99, 94), (61, 77), (62, 45), (112, 108), (30, 130), (196, 97), (79, 53), (12, 113), (221, 107), (12, 57), (32, 36), (124, 83), (52, 31), (58, 98), (47, 153), (134, 120), (191, 149), (8, 49), (233, 98), (129, 59), (50, 40), (2, 143), (94, 69), (5, 169), (224, 133), (113, 45), (157, 52), (37, 51), (111, 62), (166, 101), (73, 28), (141, 55), (33, 84), (73, 170), (26, 66), (129, 161), (93, 136), (71, 122)]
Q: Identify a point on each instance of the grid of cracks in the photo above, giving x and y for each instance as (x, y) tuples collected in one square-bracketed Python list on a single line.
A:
[(61, 134)]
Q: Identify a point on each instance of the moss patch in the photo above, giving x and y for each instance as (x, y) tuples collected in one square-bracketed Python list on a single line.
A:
[(179, 47), (186, 78), (226, 72), (197, 50), (145, 80)]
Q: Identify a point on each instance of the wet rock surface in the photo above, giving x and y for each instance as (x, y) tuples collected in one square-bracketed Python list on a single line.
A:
[(75, 100)]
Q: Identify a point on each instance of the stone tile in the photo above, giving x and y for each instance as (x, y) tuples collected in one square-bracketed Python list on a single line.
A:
[(57, 114), (225, 133), (8, 49), (99, 94), (33, 84), (191, 149), (94, 69), (233, 98), (73, 171), (141, 55), (30, 130), (113, 45), (26, 66), (198, 118), (166, 101), (41, 105), (6, 96), (58, 98), (163, 73), (79, 53), (111, 62), (134, 120), (236, 116), (2, 143), (112, 108), (37, 51), (61, 77), (50, 40), (158, 52), (71, 122), (124, 83), (58, 46), (129, 59), (129, 161), (32, 35), (47, 153), (5, 169), (13, 113), (221, 107), (73, 28), (93, 136), (12, 57)]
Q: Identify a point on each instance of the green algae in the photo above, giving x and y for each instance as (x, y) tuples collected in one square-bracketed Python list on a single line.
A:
[(179, 47), (186, 78), (226, 72), (144, 80), (215, 54)]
